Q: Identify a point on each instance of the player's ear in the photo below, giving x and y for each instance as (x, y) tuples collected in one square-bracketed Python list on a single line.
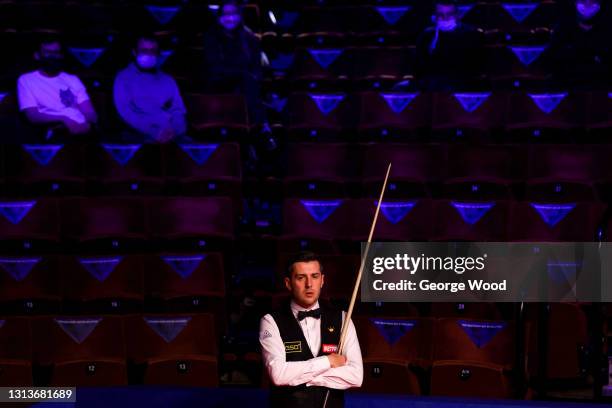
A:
[(288, 283), (322, 279)]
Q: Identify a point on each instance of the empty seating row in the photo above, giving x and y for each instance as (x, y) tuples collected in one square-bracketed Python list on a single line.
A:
[(310, 222), (404, 113), (109, 282), (94, 350), (210, 168), (115, 221), (555, 171)]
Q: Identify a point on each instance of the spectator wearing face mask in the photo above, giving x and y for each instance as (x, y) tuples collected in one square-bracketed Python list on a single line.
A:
[(147, 99), (580, 51), (233, 59), (448, 53), (54, 101)]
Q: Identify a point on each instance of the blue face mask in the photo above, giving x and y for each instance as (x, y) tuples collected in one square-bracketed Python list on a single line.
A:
[(587, 11), (446, 25), (146, 62), (230, 21)]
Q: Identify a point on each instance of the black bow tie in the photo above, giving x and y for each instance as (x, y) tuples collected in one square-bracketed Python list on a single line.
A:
[(316, 313)]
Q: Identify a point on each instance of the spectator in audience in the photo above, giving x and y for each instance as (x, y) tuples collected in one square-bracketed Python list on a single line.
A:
[(53, 98), (580, 50), (233, 59), (448, 53), (147, 99)]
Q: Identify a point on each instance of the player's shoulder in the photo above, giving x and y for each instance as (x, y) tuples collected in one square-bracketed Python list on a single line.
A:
[(28, 77)]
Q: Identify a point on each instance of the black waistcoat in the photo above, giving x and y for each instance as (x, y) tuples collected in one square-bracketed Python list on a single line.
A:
[(297, 349)]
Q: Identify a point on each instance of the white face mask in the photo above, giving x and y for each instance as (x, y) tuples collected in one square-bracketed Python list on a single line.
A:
[(146, 61), (587, 11), (447, 25), (230, 21)]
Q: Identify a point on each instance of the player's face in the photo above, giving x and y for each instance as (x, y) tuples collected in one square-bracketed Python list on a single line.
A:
[(305, 283)]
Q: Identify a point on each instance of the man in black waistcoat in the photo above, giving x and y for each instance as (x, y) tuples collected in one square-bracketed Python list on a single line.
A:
[(300, 342)]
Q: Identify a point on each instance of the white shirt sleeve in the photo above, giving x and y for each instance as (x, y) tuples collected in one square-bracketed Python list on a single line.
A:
[(79, 90), (350, 374), (280, 371), (25, 95)]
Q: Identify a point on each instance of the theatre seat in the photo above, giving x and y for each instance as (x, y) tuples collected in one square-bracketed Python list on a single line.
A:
[(486, 341), (176, 349), (397, 338), (220, 117), (15, 352), (319, 169), (83, 351), (393, 114), (103, 282), (389, 377), (414, 168), (470, 379), (29, 283)]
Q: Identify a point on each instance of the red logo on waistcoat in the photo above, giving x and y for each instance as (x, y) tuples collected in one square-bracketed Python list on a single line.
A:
[(330, 348)]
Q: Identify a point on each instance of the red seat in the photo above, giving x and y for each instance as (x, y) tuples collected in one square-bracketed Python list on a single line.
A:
[(564, 172), (402, 339), (193, 281), (102, 282), (538, 111), (84, 351), (54, 166), (470, 379), (406, 220), (320, 64), (599, 108), (483, 341), (184, 217), (91, 219), (567, 342), (324, 219), (212, 168), (125, 168), (32, 282), (394, 113), (317, 115), (29, 219), (483, 171), (468, 111), (380, 64), (550, 221), (517, 62), (522, 16), (15, 352), (319, 169), (413, 167), (178, 349), (219, 116), (471, 220), (389, 377)]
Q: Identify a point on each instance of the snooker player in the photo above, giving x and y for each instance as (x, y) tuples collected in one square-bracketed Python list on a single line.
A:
[(300, 343)]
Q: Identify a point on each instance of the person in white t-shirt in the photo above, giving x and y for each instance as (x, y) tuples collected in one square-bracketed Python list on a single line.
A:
[(51, 96)]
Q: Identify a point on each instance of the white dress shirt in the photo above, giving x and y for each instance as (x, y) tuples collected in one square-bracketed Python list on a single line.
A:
[(316, 371)]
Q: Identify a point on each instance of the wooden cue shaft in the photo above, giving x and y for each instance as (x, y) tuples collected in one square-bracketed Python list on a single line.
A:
[(349, 312)]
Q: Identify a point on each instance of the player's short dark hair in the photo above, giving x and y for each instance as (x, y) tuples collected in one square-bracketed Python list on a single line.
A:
[(146, 36), (445, 3), (49, 38), (303, 256)]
